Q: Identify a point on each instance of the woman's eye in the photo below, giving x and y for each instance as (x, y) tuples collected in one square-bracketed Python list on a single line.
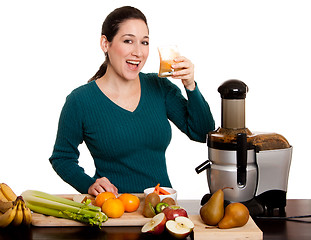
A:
[(128, 41), (145, 43)]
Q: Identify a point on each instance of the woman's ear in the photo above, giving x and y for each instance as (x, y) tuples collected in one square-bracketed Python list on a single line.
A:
[(104, 43)]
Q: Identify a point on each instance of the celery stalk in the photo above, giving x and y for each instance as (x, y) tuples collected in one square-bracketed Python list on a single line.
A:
[(56, 206), (58, 199), (47, 211), (68, 215)]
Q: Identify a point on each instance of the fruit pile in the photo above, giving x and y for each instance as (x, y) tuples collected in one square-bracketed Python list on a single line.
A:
[(214, 213), (167, 215), (164, 215), (113, 206), (13, 210)]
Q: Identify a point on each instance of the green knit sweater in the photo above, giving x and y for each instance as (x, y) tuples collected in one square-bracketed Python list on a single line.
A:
[(127, 147)]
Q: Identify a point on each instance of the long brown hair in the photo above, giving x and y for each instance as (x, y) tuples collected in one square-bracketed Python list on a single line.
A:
[(111, 27)]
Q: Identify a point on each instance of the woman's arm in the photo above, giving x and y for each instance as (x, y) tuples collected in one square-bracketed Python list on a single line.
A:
[(65, 155), (192, 116)]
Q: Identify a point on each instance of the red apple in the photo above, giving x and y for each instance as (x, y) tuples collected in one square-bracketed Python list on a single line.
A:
[(173, 211), (180, 228), (156, 225)]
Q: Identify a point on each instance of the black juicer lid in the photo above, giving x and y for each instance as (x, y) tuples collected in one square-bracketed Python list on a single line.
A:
[(233, 89)]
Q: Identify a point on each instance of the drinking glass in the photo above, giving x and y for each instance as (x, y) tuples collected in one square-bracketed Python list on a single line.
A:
[(167, 55)]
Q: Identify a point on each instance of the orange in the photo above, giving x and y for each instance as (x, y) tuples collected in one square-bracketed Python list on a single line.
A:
[(130, 202), (113, 208), (102, 197)]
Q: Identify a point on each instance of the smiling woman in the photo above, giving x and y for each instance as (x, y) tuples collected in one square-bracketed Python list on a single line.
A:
[(111, 27), (123, 115), (129, 49), (127, 54)]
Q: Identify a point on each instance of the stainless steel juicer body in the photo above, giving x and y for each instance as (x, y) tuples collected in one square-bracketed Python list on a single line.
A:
[(223, 173), (254, 165), (265, 171)]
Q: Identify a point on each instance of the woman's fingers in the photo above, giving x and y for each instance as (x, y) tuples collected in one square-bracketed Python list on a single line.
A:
[(102, 185), (182, 62), (184, 70)]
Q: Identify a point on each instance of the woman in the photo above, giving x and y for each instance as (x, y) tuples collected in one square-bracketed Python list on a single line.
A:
[(123, 114)]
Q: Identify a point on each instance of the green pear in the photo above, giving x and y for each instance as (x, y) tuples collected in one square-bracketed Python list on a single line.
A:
[(213, 210)]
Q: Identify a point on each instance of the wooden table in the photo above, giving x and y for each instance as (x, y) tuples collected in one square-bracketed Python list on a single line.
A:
[(272, 229)]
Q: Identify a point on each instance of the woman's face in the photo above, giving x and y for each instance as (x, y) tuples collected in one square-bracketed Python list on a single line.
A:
[(129, 49)]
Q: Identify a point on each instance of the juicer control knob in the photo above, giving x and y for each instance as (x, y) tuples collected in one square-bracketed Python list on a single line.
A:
[(233, 89)]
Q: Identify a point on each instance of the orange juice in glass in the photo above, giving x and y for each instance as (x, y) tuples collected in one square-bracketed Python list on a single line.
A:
[(167, 56)]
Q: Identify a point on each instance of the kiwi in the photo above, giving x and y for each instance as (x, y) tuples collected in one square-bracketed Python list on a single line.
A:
[(148, 210), (170, 201), (160, 207), (152, 198)]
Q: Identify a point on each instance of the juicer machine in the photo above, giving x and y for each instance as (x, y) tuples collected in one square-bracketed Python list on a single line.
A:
[(254, 165)]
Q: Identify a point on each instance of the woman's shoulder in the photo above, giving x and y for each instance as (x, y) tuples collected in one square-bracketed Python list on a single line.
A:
[(154, 79), (148, 76), (81, 92), (83, 88)]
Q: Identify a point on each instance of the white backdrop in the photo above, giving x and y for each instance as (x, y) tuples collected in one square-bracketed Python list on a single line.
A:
[(48, 48)]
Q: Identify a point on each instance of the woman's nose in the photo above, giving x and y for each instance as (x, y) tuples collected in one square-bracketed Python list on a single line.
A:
[(137, 51)]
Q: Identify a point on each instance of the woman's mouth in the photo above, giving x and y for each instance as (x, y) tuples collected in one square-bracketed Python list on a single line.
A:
[(133, 64)]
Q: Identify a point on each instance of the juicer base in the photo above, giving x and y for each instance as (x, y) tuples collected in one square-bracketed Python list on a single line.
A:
[(271, 200), (264, 204)]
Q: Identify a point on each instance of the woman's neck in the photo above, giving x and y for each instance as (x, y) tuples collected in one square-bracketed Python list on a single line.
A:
[(115, 82), (125, 93)]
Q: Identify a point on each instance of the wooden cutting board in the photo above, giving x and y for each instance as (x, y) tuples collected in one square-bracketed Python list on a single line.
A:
[(203, 231), (128, 219), (250, 231)]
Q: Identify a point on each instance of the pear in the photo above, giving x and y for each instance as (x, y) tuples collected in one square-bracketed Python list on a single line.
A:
[(213, 210), (236, 215)]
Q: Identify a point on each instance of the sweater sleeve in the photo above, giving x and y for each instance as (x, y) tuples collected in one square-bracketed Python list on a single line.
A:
[(192, 116), (65, 155)]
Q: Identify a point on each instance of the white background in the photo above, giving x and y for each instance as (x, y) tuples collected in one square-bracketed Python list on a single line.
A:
[(48, 48)]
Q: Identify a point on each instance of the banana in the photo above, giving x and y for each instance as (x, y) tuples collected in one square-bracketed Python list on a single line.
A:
[(18, 219), (8, 216), (27, 217), (2, 197), (4, 206), (7, 192), (13, 209)]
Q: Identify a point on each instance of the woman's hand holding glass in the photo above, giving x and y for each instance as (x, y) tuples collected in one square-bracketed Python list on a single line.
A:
[(184, 71)]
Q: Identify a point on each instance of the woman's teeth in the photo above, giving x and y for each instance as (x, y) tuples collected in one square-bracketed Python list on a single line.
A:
[(133, 62)]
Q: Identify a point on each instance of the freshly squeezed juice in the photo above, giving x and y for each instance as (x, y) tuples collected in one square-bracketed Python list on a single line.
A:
[(167, 56), (166, 68)]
